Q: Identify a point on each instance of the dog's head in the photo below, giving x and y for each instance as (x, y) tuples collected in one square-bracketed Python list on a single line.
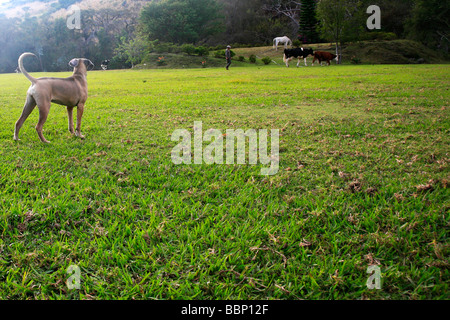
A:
[(81, 64)]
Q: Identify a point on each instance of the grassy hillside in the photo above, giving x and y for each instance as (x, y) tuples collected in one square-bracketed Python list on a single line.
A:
[(363, 180), (58, 8), (368, 52), (392, 52)]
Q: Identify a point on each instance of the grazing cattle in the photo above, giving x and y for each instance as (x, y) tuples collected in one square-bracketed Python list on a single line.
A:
[(324, 56), (298, 53), (279, 40)]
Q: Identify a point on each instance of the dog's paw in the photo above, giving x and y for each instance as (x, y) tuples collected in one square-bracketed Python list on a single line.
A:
[(79, 135)]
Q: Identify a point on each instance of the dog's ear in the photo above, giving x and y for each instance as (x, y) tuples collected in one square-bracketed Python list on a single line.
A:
[(74, 63), (89, 64)]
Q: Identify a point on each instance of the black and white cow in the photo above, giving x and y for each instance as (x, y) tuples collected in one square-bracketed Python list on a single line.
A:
[(298, 53), (104, 64)]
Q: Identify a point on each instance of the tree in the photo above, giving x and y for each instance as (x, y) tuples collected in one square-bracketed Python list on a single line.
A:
[(394, 14), (340, 21), (102, 31), (10, 45), (132, 51), (60, 45), (308, 22), (246, 22), (429, 23), (55, 45), (181, 21), (287, 8)]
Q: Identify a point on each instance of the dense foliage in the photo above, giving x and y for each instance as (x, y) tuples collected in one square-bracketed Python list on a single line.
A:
[(125, 36), (308, 22), (181, 21)]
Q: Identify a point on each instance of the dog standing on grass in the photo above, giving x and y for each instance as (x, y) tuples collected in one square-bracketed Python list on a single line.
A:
[(70, 92)]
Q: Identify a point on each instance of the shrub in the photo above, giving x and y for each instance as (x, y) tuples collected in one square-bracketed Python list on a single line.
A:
[(379, 35), (355, 60), (252, 58), (119, 62), (161, 61), (174, 48), (202, 51), (241, 58), (216, 48), (296, 43), (188, 48), (266, 60), (161, 47), (221, 54)]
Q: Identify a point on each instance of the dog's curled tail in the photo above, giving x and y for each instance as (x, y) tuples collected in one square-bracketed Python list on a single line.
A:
[(22, 69)]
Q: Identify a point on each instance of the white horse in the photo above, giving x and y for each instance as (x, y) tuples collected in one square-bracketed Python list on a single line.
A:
[(284, 40)]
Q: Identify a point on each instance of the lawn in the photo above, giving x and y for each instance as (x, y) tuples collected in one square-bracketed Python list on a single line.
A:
[(363, 180)]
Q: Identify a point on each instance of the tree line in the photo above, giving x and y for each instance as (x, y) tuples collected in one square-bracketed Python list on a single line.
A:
[(125, 37)]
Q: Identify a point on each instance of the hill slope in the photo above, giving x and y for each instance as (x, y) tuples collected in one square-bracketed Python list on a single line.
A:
[(365, 52), (370, 52), (59, 8)]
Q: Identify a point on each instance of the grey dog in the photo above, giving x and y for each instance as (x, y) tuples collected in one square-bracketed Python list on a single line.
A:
[(70, 92)]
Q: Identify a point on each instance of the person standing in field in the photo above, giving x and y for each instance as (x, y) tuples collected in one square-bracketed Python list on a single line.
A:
[(228, 56)]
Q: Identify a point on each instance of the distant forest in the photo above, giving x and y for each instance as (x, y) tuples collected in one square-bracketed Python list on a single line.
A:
[(125, 37)]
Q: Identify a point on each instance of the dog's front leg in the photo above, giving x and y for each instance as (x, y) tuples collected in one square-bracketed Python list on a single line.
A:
[(70, 116), (80, 110)]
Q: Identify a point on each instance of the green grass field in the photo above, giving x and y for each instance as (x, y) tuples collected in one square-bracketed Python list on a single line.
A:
[(363, 180)]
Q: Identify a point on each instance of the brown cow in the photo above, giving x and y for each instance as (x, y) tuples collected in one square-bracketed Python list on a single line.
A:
[(324, 56)]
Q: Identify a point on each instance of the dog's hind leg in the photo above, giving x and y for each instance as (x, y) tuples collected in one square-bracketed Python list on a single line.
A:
[(44, 109), (30, 104)]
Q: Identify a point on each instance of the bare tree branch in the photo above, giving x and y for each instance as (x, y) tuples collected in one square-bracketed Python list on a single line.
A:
[(287, 8)]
